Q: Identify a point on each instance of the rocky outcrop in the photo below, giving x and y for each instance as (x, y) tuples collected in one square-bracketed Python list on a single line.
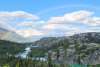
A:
[(81, 48)]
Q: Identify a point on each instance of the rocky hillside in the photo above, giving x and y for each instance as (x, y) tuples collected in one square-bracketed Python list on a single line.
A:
[(83, 48)]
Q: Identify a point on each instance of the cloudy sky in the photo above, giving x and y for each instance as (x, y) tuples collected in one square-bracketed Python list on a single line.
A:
[(50, 17)]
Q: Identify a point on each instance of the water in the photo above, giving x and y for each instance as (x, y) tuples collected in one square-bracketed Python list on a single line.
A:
[(25, 53), (40, 58), (27, 50)]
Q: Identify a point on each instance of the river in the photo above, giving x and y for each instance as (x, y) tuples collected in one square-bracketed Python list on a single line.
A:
[(27, 50)]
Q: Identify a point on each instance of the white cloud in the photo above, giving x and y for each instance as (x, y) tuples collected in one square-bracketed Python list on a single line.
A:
[(31, 23), (25, 23), (55, 25), (82, 17), (92, 21), (17, 14), (29, 33), (74, 17), (70, 17), (7, 20), (50, 26)]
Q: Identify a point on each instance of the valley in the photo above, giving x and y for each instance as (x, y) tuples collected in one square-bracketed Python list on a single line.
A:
[(81, 48)]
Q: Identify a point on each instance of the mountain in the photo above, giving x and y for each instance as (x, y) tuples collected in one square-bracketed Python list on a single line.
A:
[(83, 48), (89, 37), (3, 30), (14, 37), (8, 49), (11, 47)]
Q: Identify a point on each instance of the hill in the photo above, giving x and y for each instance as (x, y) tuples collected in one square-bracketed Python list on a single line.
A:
[(83, 48)]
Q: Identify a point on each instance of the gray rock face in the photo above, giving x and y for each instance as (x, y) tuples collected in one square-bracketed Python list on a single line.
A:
[(81, 48)]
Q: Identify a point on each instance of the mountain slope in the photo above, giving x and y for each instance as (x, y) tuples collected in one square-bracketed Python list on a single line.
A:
[(14, 37), (81, 48), (11, 47)]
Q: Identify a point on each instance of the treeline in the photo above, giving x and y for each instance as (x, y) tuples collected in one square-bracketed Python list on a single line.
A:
[(18, 62), (7, 47)]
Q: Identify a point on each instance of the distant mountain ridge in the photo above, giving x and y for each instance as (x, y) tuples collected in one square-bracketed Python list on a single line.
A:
[(8, 35), (3, 30), (92, 37)]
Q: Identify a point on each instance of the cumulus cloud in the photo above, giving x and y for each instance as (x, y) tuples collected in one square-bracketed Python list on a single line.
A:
[(29, 33), (17, 14), (7, 20), (31, 23), (6, 17), (92, 21), (26, 23), (82, 17), (70, 17), (68, 24)]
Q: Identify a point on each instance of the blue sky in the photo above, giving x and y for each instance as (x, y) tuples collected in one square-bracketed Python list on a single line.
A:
[(47, 11), (37, 6)]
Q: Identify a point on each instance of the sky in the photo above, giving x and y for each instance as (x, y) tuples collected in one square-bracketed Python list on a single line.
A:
[(50, 17)]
